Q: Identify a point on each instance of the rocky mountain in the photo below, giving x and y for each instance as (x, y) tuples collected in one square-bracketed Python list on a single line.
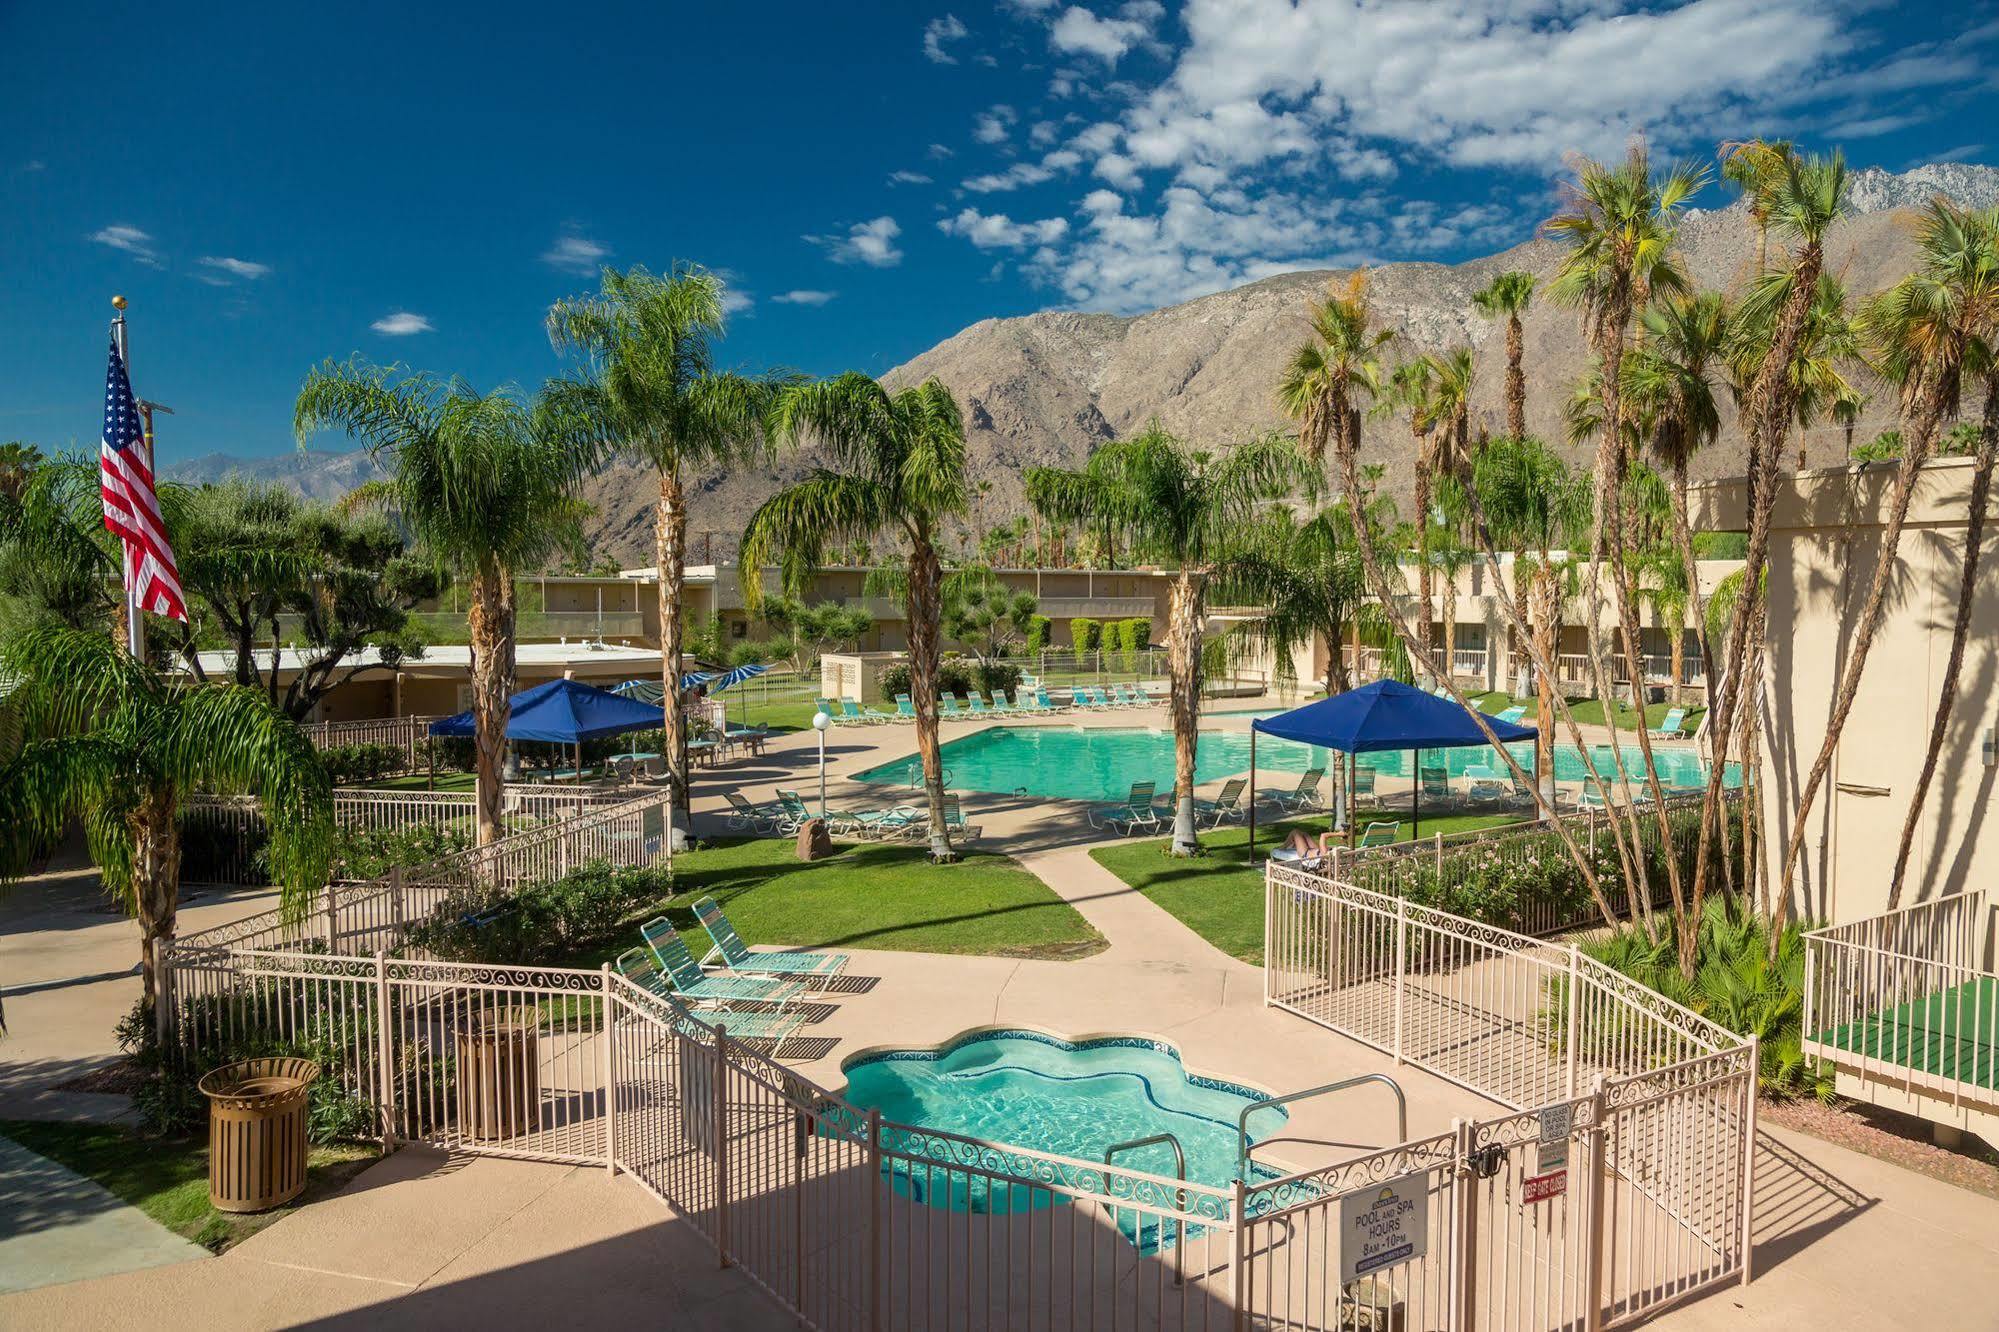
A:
[(316, 474), (1047, 388)]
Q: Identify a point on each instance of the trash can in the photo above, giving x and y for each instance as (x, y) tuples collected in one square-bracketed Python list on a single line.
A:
[(256, 1132), (499, 1073)]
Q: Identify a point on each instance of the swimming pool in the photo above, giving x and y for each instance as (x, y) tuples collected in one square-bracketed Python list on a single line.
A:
[(1101, 763), (1033, 1090)]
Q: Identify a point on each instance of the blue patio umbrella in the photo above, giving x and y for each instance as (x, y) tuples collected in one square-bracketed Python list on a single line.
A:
[(565, 712), (734, 676), (1381, 716)]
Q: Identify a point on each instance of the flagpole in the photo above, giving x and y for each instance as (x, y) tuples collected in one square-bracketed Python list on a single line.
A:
[(135, 625)]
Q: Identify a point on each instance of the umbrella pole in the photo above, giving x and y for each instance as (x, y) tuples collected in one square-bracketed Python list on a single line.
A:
[(1252, 795), (1416, 801)]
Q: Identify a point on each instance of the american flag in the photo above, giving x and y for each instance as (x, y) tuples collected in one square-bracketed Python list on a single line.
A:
[(131, 509)]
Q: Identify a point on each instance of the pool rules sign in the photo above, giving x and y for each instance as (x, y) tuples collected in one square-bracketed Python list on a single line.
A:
[(1380, 1227)]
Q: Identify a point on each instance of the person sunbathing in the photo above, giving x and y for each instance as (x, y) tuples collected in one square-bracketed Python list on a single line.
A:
[(1301, 848)]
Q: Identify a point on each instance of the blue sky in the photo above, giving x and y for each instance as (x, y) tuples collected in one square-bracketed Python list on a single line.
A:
[(274, 185)]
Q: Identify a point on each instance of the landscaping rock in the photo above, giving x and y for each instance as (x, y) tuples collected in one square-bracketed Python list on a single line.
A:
[(814, 841)]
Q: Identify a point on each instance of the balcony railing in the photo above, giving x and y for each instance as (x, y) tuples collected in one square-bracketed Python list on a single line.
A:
[(1909, 996)]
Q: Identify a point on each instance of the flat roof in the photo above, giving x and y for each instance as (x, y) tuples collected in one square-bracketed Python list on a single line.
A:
[(456, 659)]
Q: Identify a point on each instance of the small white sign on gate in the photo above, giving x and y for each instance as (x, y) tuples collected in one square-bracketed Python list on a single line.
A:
[(1553, 1149), (1383, 1225)]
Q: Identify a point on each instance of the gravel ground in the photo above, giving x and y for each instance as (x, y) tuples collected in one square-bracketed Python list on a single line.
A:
[(1901, 1140)]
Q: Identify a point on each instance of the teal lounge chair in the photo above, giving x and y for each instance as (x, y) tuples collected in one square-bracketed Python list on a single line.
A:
[(1363, 787), (637, 966), (687, 977), (1043, 704), (755, 818), (947, 706), (1376, 835), (1482, 783), (1137, 811), (1306, 796), (905, 708), (851, 714), (737, 957), (975, 703), (1512, 715), (1000, 706), (795, 811), (1672, 727), (1224, 808), (954, 820)]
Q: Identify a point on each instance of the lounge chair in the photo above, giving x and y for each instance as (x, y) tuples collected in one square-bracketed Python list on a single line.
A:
[(795, 811), (894, 821), (1363, 787), (831, 709), (1377, 835), (1136, 812), (737, 957), (905, 708), (1482, 783), (954, 819), (1092, 698), (1000, 706), (1043, 704), (1672, 727), (947, 706), (1513, 715), (1435, 783), (1306, 797), (638, 966), (1591, 797), (975, 703), (755, 818), (687, 977), (850, 714), (1224, 808)]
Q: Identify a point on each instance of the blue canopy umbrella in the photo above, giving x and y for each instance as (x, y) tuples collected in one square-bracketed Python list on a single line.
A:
[(734, 676), (1380, 716), (565, 712)]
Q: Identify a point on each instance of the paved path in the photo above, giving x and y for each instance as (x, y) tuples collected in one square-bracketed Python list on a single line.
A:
[(57, 1226)]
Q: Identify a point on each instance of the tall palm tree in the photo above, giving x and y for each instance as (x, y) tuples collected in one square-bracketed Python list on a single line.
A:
[(1802, 196), (484, 481), (1447, 436), (648, 388), (1925, 328), (1751, 165), (1186, 507), (92, 734), (1507, 296), (1409, 390), (1333, 371), (56, 562), (897, 467)]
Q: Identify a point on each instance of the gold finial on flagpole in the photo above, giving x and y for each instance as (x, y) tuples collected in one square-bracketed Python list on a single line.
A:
[(118, 302)]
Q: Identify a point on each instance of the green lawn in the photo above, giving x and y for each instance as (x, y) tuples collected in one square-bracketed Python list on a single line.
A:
[(167, 1178), (871, 896), (1220, 895), (1589, 712)]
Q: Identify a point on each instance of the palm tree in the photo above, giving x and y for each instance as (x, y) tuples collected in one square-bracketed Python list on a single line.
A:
[(897, 467), (1306, 571), (56, 563), (1802, 197), (1507, 296), (1751, 165), (94, 735), (1335, 370), (649, 389), (484, 482), (1409, 389), (1446, 423), (1924, 328), (1185, 507)]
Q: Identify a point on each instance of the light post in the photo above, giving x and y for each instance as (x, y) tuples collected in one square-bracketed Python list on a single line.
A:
[(820, 723)]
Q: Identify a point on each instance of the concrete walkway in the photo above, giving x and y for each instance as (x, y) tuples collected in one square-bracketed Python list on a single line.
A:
[(57, 1226)]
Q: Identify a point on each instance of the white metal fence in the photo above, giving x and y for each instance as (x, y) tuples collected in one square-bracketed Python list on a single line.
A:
[(1658, 1103), (1910, 995)]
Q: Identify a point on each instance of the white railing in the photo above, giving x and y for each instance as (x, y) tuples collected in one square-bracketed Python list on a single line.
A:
[(1548, 1032), (1573, 668), (1911, 995), (404, 733), (1468, 661)]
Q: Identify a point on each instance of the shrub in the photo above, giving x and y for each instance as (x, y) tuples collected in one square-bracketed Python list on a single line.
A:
[(209, 851), (952, 678), (541, 922), (370, 854), (351, 765), (1085, 634), (1138, 633), (996, 677), (1039, 630), (453, 753)]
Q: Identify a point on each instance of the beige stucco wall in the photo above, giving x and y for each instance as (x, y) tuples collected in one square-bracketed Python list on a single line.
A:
[(1826, 542)]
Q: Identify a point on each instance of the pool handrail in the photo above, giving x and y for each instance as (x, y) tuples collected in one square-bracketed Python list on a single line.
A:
[(1242, 1119), (1179, 1172)]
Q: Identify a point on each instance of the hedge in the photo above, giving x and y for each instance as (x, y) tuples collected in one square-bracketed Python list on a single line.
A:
[(1085, 634)]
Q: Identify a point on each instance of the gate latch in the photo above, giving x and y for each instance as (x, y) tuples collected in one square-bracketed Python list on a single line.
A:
[(1485, 1162)]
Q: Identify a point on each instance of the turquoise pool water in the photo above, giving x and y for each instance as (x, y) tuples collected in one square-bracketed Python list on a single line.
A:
[(1101, 763), (1027, 1089)]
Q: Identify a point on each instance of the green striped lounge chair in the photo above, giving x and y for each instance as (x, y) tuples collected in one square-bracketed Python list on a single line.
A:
[(954, 820), (1225, 807), (756, 818), (696, 985), (795, 811), (975, 703), (638, 966), (1377, 834), (1042, 703), (1000, 706), (1513, 715), (1306, 796), (1671, 726), (947, 706), (737, 957), (905, 708), (1137, 811)]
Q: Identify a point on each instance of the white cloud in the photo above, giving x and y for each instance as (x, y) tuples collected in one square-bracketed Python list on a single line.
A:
[(1871, 127), (990, 231), (804, 297), (871, 243), (574, 253), (940, 31), (401, 324), (131, 240), (1025, 173), (226, 268), (993, 125), (1078, 31), (907, 177), (34, 164), (940, 152)]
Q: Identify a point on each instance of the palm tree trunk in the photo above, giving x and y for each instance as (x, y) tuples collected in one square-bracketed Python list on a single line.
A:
[(1967, 587), (1183, 660), (491, 628), (1683, 538), (1915, 452), (670, 553), (1423, 545), (1516, 380), (155, 881), (1679, 648), (1545, 608), (925, 647)]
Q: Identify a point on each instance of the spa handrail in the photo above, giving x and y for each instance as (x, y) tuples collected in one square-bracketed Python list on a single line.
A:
[(1242, 1120)]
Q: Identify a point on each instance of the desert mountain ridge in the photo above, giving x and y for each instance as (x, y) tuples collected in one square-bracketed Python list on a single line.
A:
[(1045, 389)]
